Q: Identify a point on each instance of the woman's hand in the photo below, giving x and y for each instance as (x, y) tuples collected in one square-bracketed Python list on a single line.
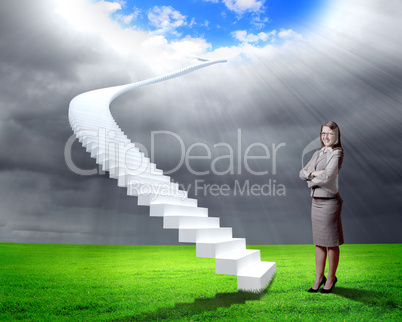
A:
[(316, 173)]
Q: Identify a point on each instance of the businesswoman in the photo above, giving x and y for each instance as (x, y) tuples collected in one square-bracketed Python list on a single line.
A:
[(321, 174)]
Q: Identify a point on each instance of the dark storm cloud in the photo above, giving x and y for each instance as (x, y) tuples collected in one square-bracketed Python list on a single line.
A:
[(354, 80), (43, 66)]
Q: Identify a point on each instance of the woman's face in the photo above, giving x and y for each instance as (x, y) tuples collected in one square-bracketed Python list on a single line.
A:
[(328, 136)]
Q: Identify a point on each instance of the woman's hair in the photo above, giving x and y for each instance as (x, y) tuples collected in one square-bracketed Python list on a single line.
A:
[(334, 127)]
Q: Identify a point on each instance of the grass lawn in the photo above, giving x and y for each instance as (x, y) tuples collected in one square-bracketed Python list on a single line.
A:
[(123, 283)]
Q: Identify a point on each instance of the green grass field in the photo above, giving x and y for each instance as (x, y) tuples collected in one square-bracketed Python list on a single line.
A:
[(123, 283)]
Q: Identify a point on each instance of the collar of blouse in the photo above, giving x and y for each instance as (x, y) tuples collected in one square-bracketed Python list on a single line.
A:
[(325, 150)]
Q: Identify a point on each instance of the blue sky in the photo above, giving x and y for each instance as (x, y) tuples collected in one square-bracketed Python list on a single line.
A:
[(219, 22)]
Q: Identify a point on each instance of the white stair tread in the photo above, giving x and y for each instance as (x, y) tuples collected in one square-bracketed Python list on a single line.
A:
[(209, 229), (257, 270), (160, 210), (238, 254), (155, 199), (195, 235), (180, 222), (213, 249), (216, 242)]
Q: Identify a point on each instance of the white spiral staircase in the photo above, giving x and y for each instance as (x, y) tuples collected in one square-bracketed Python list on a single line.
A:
[(95, 128)]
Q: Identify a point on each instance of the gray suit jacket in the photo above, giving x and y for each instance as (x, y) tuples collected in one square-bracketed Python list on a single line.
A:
[(324, 185)]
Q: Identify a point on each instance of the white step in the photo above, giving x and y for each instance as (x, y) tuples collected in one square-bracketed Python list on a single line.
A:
[(120, 164), (115, 172), (175, 210), (108, 133), (144, 178), (166, 189), (234, 263), (99, 123), (104, 123), (190, 235), (190, 222), (131, 156), (116, 168), (257, 277), (112, 148), (93, 139), (219, 248), (105, 157), (154, 199)]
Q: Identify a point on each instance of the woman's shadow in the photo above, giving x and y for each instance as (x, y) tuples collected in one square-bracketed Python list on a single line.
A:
[(199, 305), (365, 296)]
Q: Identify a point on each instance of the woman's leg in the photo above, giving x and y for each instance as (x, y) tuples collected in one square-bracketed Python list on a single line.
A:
[(320, 258), (333, 260)]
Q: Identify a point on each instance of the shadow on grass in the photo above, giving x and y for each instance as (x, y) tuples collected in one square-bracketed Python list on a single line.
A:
[(199, 306), (365, 296)]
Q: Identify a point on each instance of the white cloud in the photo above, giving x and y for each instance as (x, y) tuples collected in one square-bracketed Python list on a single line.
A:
[(192, 22), (242, 6), (191, 46), (86, 17), (108, 7), (128, 18), (163, 53), (259, 22), (244, 36), (166, 19), (272, 36), (289, 34)]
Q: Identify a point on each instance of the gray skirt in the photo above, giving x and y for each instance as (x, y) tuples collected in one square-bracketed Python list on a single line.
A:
[(326, 220)]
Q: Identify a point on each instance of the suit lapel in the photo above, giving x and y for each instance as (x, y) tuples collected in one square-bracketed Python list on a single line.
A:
[(320, 158)]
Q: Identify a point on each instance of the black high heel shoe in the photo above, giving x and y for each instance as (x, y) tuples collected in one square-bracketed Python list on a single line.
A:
[(312, 290), (330, 290)]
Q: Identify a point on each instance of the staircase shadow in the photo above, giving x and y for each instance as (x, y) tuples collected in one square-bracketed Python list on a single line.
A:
[(199, 306), (364, 296)]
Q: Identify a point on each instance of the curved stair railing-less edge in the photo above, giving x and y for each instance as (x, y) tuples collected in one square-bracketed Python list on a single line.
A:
[(89, 114)]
